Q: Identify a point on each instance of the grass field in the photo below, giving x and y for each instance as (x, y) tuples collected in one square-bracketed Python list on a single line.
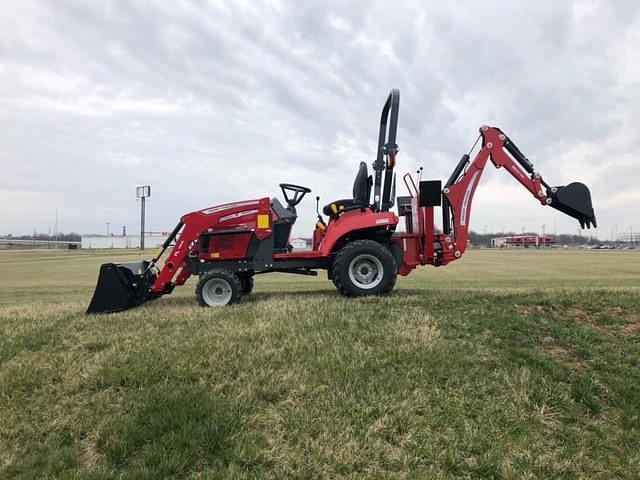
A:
[(507, 364)]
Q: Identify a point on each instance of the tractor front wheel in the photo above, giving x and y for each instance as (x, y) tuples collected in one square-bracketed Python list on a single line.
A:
[(364, 267), (217, 288)]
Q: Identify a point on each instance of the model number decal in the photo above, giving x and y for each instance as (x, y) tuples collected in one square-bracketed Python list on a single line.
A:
[(465, 200), (382, 220), (237, 215)]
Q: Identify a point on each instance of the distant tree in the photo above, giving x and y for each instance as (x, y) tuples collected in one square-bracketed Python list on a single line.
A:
[(480, 239), (62, 237)]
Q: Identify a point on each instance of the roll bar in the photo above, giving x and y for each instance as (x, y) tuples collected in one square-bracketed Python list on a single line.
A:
[(386, 147)]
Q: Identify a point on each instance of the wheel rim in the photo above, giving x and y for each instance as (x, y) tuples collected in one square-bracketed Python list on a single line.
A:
[(365, 271), (217, 292)]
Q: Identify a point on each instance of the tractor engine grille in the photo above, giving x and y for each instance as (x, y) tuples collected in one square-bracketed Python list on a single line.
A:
[(225, 244)]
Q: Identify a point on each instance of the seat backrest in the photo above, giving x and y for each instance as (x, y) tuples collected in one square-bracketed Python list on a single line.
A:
[(362, 185)]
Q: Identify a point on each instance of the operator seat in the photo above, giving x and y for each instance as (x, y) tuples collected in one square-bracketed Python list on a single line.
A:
[(282, 226), (361, 193)]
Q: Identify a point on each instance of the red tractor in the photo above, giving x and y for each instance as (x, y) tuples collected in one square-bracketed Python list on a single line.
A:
[(358, 246)]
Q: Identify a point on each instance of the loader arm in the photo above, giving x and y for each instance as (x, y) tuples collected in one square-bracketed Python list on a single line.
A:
[(573, 200)]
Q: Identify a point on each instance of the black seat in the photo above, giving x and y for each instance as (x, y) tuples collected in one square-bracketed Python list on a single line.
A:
[(282, 226), (361, 193)]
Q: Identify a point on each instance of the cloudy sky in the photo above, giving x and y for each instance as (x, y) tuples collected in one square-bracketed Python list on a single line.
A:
[(219, 101)]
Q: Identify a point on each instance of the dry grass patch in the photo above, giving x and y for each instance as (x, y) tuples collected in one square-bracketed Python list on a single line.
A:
[(416, 328), (564, 355), (525, 310)]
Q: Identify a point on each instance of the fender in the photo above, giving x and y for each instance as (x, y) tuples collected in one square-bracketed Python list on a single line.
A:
[(355, 220)]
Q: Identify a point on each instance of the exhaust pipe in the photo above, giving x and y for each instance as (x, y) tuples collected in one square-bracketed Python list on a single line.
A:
[(574, 200)]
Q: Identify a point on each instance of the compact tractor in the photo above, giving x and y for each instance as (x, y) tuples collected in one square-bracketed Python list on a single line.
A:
[(358, 245)]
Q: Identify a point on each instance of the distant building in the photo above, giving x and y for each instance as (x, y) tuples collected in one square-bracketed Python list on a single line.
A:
[(498, 242), (299, 243), (522, 241), (151, 240)]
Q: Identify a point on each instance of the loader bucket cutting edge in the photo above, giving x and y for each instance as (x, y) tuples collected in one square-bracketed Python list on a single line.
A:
[(121, 286), (575, 201)]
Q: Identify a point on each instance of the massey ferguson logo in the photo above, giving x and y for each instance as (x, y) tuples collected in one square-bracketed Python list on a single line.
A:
[(228, 206), (465, 200), (237, 215)]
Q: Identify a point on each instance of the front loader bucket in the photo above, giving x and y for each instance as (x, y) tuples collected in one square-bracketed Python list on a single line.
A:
[(122, 286), (575, 201)]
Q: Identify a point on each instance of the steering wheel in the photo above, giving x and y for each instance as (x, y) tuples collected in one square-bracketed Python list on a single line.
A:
[(298, 193)]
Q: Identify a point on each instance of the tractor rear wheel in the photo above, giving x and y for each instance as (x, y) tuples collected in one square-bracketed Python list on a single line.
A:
[(217, 288), (364, 267)]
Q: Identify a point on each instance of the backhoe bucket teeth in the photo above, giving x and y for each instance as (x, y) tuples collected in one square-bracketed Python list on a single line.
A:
[(575, 201), (122, 286)]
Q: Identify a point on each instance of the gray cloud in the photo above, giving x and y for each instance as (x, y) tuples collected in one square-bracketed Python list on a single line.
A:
[(211, 102)]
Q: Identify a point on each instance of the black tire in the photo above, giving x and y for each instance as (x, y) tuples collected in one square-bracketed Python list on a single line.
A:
[(334, 276), (364, 267), (247, 284), (335, 282), (218, 288)]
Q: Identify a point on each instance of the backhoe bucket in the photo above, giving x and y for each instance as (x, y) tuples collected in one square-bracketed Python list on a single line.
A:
[(122, 286), (575, 201)]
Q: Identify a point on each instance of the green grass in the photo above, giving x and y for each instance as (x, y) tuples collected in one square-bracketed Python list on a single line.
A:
[(506, 364)]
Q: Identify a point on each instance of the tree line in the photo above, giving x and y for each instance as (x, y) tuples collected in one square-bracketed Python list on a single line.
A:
[(61, 237)]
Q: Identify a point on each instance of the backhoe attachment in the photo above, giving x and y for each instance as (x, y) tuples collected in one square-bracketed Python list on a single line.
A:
[(573, 199)]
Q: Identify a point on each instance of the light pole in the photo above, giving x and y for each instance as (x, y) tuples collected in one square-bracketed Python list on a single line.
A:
[(142, 193)]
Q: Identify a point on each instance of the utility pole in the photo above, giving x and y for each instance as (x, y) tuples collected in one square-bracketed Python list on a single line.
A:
[(142, 193)]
